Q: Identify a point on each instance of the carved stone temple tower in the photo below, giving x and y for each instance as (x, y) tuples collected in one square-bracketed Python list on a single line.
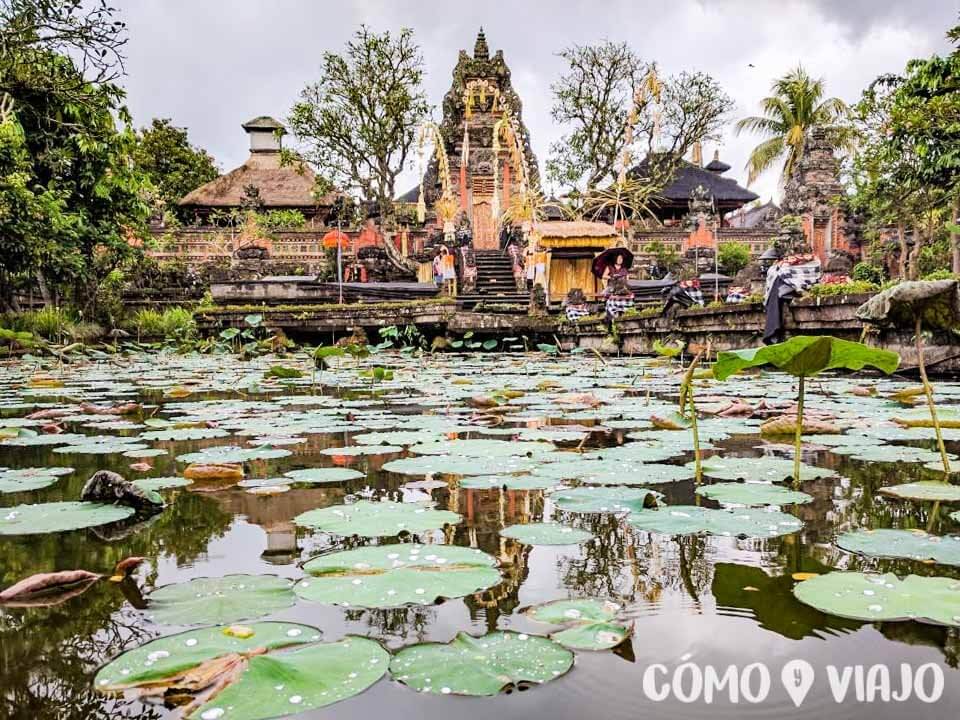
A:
[(480, 97)]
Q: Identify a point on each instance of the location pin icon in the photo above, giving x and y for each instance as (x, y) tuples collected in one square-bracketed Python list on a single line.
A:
[(797, 677)]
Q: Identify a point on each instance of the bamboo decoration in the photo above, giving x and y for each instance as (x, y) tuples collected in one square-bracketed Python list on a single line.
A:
[(446, 206)]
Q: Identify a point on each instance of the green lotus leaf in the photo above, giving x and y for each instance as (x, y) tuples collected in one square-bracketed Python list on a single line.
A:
[(187, 433), (768, 468), (99, 447), (145, 453), (546, 534), (58, 517), (643, 452), (480, 666), (450, 465), (397, 437), (898, 453), (43, 440), (309, 677), (689, 520), (909, 544), (604, 500), (168, 656), (647, 474), (510, 482), (386, 576), (220, 600), (806, 355), (357, 450), (877, 598), (376, 519), (483, 448), (161, 483), (924, 490), (753, 493), (312, 476), (232, 454), (592, 636), (14, 480)]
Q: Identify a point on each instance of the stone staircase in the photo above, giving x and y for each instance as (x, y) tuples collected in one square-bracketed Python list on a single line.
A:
[(495, 283)]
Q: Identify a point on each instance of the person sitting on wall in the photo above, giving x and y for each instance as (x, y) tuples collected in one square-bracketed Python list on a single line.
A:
[(616, 271), (575, 305), (438, 266), (619, 297)]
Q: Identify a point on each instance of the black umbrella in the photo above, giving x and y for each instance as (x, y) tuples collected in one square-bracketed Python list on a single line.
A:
[(608, 259)]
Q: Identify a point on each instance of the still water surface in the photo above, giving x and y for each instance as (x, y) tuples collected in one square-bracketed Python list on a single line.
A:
[(716, 601)]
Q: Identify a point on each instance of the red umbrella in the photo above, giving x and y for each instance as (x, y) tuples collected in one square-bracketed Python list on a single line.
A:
[(608, 259), (332, 238)]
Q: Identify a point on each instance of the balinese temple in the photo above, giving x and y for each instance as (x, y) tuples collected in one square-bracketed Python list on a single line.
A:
[(692, 181), (482, 170), (263, 180)]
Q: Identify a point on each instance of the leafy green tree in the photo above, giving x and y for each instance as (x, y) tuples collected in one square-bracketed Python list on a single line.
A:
[(608, 87), (71, 195), (174, 166), (358, 123), (733, 257), (795, 105), (906, 171)]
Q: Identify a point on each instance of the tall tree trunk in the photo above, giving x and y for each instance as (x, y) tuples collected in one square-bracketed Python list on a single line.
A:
[(902, 238), (913, 271), (954, 235)]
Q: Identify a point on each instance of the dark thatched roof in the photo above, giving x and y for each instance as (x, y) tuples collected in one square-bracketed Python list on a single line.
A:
[(688, 176), (761, 215), (410, 196), (280, 186)]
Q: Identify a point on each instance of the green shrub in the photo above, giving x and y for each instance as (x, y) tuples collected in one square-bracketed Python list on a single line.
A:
[(49, 323), (855, 287), (865, 272), (86, 332), (733, 257), (940, 275), (173, 323)]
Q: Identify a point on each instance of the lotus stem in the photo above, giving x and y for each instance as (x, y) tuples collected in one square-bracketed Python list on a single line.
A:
[(686, 399), (798, 435), (928, 391)]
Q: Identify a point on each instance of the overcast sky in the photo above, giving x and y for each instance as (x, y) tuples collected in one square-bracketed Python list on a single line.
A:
[(212, 64)]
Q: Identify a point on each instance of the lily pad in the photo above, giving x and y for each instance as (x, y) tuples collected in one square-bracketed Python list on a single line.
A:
[(689, 520), (376, 519), (387, 576), (769, 468), (58, 517), (909, 544), (162, 483), (358, 450), (897, 453), (480, 666), (924, 490), (604, 500), (451, 465), (187, 433), (510, 482), (483, 448), (31, 478), (883, 597), (753, 493), (232, 454), (546, 534), (213, 601), (588, 622), (272, 684), (316, 476)]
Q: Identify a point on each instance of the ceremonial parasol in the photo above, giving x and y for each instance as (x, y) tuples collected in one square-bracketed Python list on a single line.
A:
[(335, 237), (608, 259)]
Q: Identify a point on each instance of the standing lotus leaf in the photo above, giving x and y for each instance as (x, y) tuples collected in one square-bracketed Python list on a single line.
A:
[(386, 576), (690, 520), (910, 544), (753, 493), (925, 490), (260, 679), (376, 519), (546, 534), (212, 601), (59, 517), (485, 665), (605, 500), (588, 623), (860, 596)]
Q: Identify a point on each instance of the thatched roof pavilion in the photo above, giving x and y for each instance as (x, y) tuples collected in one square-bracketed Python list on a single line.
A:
[(275, 185)]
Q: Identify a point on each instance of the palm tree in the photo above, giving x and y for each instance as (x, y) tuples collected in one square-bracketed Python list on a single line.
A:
[(795, 105)]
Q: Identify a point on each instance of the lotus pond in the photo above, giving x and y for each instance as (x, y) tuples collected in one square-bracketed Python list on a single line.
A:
[(522, 529)]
